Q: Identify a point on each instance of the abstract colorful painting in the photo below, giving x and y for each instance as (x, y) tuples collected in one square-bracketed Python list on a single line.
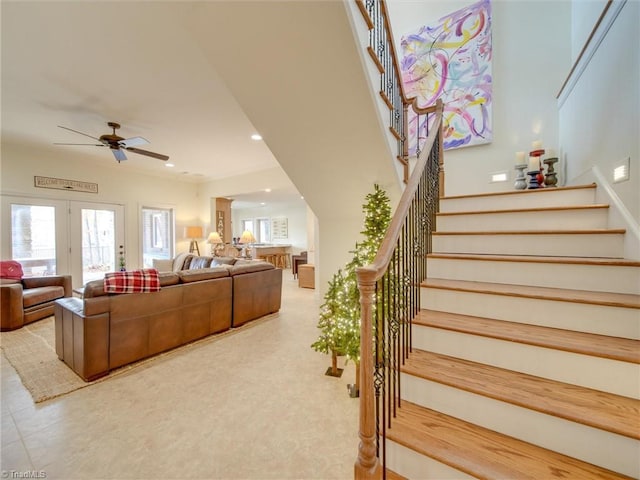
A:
[(451, 60)]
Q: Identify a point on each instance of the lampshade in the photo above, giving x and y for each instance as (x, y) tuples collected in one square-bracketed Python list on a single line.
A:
[(214, 238), (247, 237), (193, 232)]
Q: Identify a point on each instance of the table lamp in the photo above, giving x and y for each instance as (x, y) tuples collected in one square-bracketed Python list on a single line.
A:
[(215, 241), (247, 239)]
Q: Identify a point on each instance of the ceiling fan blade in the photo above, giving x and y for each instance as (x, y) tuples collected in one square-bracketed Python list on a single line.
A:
[(159, 156), (76, 131), (119, 154), (133, 142), (86, 144)]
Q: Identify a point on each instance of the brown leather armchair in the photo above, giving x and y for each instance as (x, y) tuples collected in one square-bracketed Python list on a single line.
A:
[(297, 260), (30, 299)]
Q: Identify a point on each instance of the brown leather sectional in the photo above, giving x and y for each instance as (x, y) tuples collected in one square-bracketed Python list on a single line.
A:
[(101, 332)]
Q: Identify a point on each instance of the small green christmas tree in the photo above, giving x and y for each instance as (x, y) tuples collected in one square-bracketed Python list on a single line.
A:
[(339, 321)]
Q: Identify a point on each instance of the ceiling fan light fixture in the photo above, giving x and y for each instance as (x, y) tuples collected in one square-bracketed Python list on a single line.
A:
[(119, 144)]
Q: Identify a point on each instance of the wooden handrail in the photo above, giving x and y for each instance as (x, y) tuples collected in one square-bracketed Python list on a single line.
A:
[(367, 465), (383, 257)]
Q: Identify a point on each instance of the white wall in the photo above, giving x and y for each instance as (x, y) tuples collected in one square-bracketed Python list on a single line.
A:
[(531, 58), (296, 215), (117, 183), (584, 15), (600, 114)]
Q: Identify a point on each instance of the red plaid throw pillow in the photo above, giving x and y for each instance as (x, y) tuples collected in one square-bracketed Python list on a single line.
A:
[(134, 281)]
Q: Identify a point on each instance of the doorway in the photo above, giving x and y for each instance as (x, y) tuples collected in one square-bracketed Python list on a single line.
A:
[(50, 237)]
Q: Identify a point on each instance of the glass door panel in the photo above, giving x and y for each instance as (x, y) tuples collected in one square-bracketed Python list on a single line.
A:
[(98, 243), (33, 239), (96, 236)]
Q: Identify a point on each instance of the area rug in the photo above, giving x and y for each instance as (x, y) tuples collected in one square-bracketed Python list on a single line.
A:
[(31, 352)]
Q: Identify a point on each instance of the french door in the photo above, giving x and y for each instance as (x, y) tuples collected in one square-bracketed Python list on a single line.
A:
[(50, 237), (96, 239)]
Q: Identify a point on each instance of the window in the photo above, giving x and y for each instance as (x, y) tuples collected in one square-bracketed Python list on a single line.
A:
[(247, 225), (157, 234), (262, 230), (33, 239)]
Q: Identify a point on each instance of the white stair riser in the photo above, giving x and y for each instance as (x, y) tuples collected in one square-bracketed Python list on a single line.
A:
[(596, 278), (612, 376), (559, 245), (531, 220), (416, 466), (598, 319), (528, 199), (605, 449)]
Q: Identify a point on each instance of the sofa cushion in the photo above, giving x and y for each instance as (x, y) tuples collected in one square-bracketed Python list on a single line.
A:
[(94, 288), (135, 281), (197, 262), (223, 261), (163, 264), (36, 296), (248, 267), (168, 278), (180, 260), (199, 274), (11, 269)]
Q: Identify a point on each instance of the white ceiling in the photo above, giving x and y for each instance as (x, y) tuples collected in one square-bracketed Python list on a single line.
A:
[(82, 64)]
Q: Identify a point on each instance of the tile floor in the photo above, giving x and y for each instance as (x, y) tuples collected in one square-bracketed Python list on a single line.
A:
[(254, 405)]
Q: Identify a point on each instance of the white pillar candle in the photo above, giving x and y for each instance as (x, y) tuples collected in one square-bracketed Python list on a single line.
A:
[(534, 164), (519, 157), (537, 145)]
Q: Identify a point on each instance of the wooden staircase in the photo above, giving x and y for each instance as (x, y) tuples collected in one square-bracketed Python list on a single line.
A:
[(526, 355)]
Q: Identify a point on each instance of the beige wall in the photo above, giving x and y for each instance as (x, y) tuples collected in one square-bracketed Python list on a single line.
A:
[(117, 183)]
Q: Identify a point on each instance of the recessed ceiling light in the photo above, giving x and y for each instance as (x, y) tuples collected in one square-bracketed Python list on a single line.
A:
[(255, 136), (169, 165), (262, 203), (267, 190)]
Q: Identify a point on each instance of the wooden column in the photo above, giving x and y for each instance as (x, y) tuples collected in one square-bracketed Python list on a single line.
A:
[(222, 217)]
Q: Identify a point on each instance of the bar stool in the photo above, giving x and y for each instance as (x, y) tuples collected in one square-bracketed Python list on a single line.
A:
[(282, 260), (297, 260)]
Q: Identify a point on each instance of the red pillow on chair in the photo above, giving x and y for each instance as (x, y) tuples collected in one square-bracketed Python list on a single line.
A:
[(11, 269)]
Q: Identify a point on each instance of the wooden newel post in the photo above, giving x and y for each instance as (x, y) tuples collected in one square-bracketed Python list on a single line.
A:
[(367, 466)]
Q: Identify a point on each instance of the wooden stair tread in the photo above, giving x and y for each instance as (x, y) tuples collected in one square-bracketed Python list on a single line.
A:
[(594, 206), (542, 293), (614, 348), (622, 262), (391, 475), (593, 231), (602, 410), (481, 452), (537, 191)]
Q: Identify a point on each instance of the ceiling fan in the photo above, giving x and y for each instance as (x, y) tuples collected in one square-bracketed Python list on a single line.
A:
[(117, 144)]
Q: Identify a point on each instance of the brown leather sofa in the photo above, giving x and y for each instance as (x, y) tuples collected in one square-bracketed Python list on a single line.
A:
[(30, 299), (101, 332)]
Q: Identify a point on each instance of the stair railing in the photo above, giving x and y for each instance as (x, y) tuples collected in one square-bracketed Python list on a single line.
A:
[(390, 286), (382, 51)]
